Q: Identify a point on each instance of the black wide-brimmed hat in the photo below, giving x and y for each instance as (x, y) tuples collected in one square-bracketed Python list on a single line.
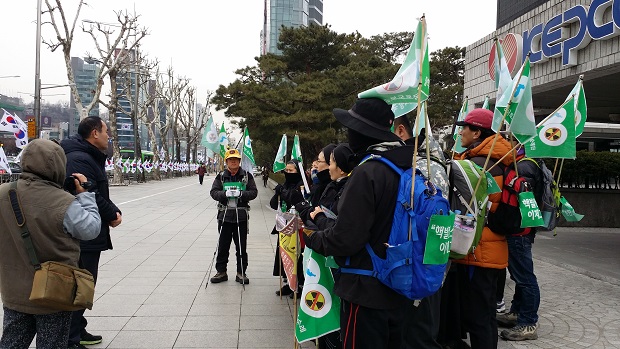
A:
[(371, 117)]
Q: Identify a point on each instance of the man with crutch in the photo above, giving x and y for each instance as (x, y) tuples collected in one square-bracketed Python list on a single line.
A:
[(233, 188)]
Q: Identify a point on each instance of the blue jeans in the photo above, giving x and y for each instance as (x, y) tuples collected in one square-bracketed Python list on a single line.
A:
[(526, 299)]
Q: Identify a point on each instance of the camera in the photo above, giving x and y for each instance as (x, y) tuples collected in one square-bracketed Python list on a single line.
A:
[(69, 184)]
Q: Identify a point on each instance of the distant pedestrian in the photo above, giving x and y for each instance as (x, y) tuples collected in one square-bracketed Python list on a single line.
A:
[(265, 174), (56, 220), (202, 169), (233, 189)]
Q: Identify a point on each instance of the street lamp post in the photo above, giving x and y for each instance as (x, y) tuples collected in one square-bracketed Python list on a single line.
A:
[(37, 74)]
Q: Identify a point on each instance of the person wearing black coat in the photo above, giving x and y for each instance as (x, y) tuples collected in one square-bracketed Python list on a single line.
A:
[(232, 216), (86, 154), (289, 194), (322, 174), (372, 314)]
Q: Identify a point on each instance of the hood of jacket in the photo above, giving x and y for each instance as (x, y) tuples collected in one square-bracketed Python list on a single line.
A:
[(44, 159), (77, 143), (399, 154)]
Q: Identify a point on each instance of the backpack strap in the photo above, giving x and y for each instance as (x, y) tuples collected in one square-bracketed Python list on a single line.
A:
[(385, 161), (21, 222)]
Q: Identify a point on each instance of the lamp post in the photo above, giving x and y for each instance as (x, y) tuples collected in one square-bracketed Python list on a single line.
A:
[(37, 74)]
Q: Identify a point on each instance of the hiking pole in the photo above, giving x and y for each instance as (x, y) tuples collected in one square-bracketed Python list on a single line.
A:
[(217, 246), (240, 249)]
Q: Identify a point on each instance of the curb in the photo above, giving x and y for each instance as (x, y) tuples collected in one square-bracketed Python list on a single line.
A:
[(581, 271)]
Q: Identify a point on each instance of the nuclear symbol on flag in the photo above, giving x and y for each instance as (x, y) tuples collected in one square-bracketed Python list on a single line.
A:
[(553, 134), (392, 85), (317, 301)]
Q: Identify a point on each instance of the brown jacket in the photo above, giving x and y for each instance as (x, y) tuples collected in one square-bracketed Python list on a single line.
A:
[(492, 250), (44, 204)]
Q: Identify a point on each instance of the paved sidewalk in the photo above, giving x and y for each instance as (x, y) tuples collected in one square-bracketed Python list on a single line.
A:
[(151, 291)]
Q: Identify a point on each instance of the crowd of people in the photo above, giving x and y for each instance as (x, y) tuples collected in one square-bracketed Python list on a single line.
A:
[(348, 206)]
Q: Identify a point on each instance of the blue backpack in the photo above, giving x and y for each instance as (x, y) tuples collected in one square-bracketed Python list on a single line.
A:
[(403, 269)]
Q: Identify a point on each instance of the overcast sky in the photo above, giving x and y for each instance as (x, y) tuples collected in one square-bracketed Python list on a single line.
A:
[(207, 40)]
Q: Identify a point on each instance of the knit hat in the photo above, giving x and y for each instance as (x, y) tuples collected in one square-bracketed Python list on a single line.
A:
[(345, 158)]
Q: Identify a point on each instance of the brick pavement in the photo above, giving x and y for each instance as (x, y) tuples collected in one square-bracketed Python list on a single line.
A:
[(151, 291)]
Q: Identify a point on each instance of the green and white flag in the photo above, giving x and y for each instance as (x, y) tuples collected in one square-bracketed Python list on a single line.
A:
[(581, 107), (223, 139), (296, 154), (516, 103), (486, 105), (247, 155), (569, 212), (415, 70), (556, 136), (279, 164), (210, 137), (319, 309), (457, 147), (502, 74), (296, 151), (421, 120)]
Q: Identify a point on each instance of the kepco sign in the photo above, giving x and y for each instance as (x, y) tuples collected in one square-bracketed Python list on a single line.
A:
[(599, 21)]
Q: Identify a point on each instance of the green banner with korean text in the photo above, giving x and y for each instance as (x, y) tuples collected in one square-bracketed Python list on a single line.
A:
[(438, 239), (530, 213)]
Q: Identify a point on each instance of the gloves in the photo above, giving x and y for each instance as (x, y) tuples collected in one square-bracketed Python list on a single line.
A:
[(233, 193), (278, 189)]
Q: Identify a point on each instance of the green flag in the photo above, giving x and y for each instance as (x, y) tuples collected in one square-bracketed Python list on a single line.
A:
[(247, 155), (415, 70), (530, 213), (486, 105), (581, 107), (296, 151), (223, 140), (556, 135), (569, 212), (210, 137), (518, 100), (492, 186), (457, 147), (421, 119), (319, 309), (279, 163), (438, 239)]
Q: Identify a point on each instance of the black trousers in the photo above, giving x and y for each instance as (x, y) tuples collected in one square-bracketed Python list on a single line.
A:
[(19, 328), (422, 323), (90, 262), (478, 287), (201, 178), (228, 233), (366, 328)]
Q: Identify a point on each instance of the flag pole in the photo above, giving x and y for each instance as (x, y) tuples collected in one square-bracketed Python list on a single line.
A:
[(428, 142), (456, 119), (417, 122), (560, 172), (553, 113), (486, 162)]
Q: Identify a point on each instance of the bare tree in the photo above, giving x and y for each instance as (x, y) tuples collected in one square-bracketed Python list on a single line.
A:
[(116, 56), (112, 53)]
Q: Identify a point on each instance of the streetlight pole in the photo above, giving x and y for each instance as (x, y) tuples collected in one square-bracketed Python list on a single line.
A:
[(37, 74)]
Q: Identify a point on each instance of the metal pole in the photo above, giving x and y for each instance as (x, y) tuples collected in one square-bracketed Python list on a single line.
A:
[(37, 75)]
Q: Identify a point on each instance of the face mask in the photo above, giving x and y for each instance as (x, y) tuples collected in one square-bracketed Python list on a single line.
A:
[(292, 178)]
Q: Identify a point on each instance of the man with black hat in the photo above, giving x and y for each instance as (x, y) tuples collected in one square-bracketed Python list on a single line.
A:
[(233, 189), (372, 314)]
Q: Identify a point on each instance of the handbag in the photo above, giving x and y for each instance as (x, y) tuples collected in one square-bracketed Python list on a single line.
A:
[(55, 285)]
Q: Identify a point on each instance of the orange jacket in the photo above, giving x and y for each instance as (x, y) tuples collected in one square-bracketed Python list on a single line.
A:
[(492, 250)]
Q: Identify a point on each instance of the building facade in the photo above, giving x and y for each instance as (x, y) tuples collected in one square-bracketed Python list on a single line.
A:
[(565, 39), (85, 75), (288, 13)]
